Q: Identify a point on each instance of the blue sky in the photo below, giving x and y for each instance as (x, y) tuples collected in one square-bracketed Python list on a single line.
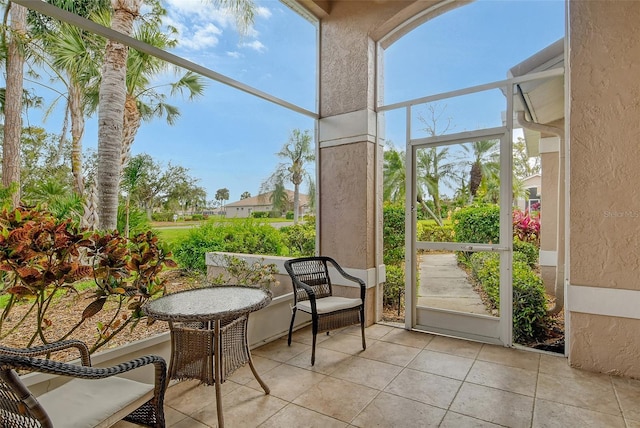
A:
[(229, 139)]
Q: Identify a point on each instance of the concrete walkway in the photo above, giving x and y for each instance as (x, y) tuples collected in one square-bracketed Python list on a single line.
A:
[(444, 285)]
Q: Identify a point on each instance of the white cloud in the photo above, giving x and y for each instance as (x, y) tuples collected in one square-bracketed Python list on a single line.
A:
[(263, 12), (234, 54), (202, 25), (256, 45)]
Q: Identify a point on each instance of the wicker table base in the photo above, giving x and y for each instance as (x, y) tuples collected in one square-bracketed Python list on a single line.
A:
[(209, 333)]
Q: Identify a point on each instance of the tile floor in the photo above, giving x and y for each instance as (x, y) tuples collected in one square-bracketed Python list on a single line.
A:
[(406, 379)]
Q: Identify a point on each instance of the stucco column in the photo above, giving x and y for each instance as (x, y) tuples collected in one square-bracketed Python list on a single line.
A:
[(349, 159), (604, 242)]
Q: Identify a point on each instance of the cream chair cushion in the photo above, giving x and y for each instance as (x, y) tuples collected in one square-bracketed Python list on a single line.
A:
[(329, 304), (84, 403)]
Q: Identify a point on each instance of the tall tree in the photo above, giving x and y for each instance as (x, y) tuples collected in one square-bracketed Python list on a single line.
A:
[(394, 176), (484, 163), (222, 195), (74, 54), (297, 152), (434, 167), (112, 97), (114, 129), (13, 100)]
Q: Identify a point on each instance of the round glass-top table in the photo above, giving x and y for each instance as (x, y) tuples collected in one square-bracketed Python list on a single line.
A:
[(209, 332)]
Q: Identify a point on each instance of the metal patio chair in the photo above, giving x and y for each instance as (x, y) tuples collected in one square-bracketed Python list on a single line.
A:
[(94, 397), (313, 294)]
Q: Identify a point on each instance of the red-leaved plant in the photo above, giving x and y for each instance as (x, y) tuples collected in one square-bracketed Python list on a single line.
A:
[(526, 226), (41, 256)]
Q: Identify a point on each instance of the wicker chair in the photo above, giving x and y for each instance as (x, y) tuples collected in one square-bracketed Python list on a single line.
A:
[(95, 397), (313, 294)]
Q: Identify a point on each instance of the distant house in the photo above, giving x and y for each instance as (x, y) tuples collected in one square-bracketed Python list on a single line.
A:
[(244, 207), (533, 187)]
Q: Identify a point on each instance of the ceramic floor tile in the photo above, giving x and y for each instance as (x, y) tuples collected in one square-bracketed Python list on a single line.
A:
[(244, 407), (371, 373), (456, 420), (510, 357), (494, 405), (299, 417), (507, 378), (559, 366), (345, 343), (628, 391), (305, 336), (424, 387), (632, 423), (459, 347), (549, 414), (391, 353), (188, 423), (279, 351), (244, 374), (388, 410), (337, 398), (375, 331), (442, 364), (172, 416), (592, 392), (327, 361), (189, 396), (404, 337), (287, 382)]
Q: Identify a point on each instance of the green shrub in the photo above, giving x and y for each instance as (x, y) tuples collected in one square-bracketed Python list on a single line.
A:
[(300, 239), (260, 214), (430, 232), (197, 217), (289, 215), (477, 224), (138, 222), (394, 284), (168, 216), (529, 250), (529, 303), (393, 234), (246, 237)]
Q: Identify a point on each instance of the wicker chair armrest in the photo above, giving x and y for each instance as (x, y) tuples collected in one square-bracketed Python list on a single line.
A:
[(349, 277), (83, 372), (49, 348)]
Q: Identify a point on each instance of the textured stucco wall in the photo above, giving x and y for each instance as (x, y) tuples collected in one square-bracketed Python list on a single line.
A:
[(605, 344), (604, 61), (347, 206), (548, 215), (605, 132)]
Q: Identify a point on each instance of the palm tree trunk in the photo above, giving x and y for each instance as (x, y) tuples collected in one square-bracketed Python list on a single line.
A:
[(111, 113), (296, 202), (13, 102), (77, 131), (131, 124)]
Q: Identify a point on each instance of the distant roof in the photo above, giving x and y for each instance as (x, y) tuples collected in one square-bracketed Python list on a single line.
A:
[(542, 100), (265, 199)]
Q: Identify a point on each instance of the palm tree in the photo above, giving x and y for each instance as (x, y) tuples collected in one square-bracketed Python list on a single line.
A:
[(245, 195), (112, 96), (113, 128), (483, 164), (393, 186), (433, 168), (297, 152), (74, 54), (13, 101)]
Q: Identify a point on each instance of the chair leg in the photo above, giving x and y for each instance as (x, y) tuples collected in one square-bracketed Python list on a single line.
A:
[(293, 318), (313, 345), (364, 343)]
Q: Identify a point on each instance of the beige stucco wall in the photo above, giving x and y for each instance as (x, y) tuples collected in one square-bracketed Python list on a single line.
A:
[(604, 61)]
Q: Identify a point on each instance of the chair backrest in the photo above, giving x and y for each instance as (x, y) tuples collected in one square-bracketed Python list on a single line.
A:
[(311, 271), (18, 407)]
